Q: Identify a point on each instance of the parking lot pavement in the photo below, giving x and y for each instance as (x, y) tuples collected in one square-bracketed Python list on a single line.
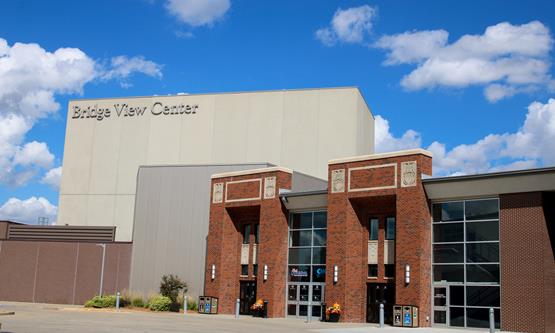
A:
[(34, 318)]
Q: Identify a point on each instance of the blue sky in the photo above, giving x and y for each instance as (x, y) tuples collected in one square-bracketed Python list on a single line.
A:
[(480, 103)]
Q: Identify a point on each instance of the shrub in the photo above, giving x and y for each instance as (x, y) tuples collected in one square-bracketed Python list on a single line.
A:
[(137, 302), (160, 303), (192, 305), (171, 285), (108, 301)]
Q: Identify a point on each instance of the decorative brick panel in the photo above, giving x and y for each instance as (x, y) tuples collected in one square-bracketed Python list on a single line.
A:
[(372, 177), (243, 190)]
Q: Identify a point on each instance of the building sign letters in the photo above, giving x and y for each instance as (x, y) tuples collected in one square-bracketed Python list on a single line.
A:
[(126, 110)]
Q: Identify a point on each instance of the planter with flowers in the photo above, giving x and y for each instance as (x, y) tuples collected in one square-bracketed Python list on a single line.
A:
[(333, 312), (257, 308)]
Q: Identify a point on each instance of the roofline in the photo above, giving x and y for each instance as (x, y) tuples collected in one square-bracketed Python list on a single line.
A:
[(302, 194), (223, 93), (360, 158), (251, 171), (203, 165), (488, 175)]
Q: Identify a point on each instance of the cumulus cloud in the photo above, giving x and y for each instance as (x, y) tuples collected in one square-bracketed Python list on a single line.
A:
[(385, 141), (198, 13), (349, 25), (53, 178), (29, 210), (506, 59), (529, 146), (30, 79)]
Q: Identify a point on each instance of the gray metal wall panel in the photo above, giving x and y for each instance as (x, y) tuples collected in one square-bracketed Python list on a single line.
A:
[(171, 224)]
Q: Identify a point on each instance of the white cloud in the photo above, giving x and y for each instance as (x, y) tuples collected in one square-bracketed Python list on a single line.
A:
[(506, 59), (198, 12), (28, 211), (30, 79), (386, 142), (349, 25), (530, 146), (53, 178), (122, 67)]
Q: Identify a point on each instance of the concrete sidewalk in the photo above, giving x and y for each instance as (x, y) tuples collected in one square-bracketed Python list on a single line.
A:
[(35, 318)]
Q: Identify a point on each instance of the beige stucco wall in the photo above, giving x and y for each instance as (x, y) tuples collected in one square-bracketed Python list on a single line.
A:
[(298, 129)]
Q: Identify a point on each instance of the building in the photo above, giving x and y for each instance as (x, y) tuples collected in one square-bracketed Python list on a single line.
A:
[(384, 231), (252, 195)]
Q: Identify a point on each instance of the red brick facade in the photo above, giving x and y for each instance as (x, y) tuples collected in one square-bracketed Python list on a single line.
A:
[(373, 193), (247, 204), (376, 186), (527, 263)]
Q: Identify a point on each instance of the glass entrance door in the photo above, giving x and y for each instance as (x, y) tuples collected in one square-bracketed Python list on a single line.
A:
[(441, 300), (247, 296), (380, 293), (302, 297)]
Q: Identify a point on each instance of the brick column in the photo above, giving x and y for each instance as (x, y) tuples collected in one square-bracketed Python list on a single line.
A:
[(413, 244)]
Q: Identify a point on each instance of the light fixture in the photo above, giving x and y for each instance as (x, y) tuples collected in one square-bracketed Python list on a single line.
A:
[(265, 272), (335, 273), (213, 271), (407, 274)]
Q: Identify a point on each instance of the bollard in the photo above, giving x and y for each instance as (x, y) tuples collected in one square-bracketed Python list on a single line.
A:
[(117, 301), (237, 306), (185, 304), (491, 320), (381, 315)]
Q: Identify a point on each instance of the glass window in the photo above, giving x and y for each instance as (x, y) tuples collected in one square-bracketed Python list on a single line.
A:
[(448, 253), (246, 233), (300, 256), (482, 252), (320, 220), (374, 229), (256, 233), (450, 232), (292, 292), (482, 231), (440, 317), (299, 273), (254, 270), (318, 273), (319, 237), (291, 309), (450, 273), (319, 255), (456, 316), (389, 270), (448, 211), (456, 295), (390, 228), (482, 273), (301, 221), (476, 317), (482, 296), (372, 270), (482, 209), (245, 270), (300, 238)]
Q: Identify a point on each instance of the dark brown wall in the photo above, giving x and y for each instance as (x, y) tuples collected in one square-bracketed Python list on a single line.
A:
[(527, 264), (60, 272)]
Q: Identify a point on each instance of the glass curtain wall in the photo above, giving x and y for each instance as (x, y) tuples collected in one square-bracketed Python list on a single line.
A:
[(466, 262), (306, 263)]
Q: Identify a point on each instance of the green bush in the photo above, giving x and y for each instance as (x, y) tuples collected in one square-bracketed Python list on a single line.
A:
[(137, 302), (192, 305), (108, 301), (171, 285), (160, 303)]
